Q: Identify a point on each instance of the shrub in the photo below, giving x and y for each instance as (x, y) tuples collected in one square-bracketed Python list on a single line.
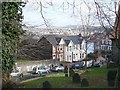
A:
[(84, 83), (47, 85), (111, 77), (76, 78), (71, 72)]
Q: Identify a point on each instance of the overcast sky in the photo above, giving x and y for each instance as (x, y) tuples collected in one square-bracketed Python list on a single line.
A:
[(57, 15)]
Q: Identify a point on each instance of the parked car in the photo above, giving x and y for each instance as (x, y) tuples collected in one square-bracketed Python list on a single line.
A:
[(88, 63), (58, 68), (16, 73), (96, 64), (75, 66), (40, 70)]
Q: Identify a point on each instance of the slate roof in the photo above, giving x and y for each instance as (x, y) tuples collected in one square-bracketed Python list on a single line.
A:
[(75, 39), (58, 40), (55, 39), (67, 42)]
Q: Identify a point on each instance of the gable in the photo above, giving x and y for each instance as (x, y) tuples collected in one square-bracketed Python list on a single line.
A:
[(62, 41), (71, 43)]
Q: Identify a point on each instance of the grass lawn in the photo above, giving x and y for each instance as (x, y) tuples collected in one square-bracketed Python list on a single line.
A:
[(22, 60), (97, 78)]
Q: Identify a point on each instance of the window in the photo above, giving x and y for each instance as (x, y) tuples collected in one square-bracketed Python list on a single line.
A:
[(83, 55), (106, 41), (102, 41), (67, 48), (67, 57), (70, 57), (73, 56), (110, 48), (110, 42), (58, 55), (70, 48), (80, 55)]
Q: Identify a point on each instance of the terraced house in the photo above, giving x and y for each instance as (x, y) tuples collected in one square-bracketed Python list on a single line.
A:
[(65, 48), (102, 42)]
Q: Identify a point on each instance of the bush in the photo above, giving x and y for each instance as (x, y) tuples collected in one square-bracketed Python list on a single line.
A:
[(47, 85), (84, 83), (71, 72), (76, 78), (111, 75)]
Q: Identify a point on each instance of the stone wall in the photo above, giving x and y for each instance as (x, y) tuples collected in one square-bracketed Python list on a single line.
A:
[(28, 66)]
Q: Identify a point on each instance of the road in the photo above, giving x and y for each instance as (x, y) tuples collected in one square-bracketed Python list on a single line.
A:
[(30, 76)]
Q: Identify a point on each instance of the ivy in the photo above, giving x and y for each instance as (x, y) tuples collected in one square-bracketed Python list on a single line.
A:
[(11, 32)]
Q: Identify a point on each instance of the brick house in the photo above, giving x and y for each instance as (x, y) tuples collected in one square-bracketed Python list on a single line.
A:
[(102, 42)]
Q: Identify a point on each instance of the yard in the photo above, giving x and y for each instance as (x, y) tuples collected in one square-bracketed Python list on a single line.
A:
[(95, 76)]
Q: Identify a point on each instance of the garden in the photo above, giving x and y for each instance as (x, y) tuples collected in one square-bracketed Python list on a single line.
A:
[(92, 78)]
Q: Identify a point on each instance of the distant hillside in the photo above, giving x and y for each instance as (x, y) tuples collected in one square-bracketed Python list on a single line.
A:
[(80, 27), (34, 51)]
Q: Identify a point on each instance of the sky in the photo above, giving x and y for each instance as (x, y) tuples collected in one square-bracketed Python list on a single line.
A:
[(57, 16)]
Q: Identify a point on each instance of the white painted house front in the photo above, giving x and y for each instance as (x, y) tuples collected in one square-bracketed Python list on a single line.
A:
[(67, 48)]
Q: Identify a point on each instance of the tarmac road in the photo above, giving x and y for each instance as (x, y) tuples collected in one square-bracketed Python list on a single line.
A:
[(30, 76)]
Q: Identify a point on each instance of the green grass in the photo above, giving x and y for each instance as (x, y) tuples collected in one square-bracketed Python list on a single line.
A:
[(97, 78), (22, 60), (56, 81)]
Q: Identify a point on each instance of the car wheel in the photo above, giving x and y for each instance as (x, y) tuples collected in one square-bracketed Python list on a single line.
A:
[(21, 76)]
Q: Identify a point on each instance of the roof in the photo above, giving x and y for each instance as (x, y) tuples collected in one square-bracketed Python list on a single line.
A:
[(58, 40), (55, 39), (67, 42), (75, 39)]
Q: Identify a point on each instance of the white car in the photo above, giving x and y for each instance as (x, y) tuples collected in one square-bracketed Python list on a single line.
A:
[(58, 68), (40, 70), (16, 73), (88, 63)]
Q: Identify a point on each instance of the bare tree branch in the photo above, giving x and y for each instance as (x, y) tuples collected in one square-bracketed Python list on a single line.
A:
[(41, 12)]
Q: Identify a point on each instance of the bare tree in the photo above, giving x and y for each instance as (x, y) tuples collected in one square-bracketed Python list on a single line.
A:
[(115, 35)]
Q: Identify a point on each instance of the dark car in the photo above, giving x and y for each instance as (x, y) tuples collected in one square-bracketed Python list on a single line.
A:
[(75, 66), (96, 64)]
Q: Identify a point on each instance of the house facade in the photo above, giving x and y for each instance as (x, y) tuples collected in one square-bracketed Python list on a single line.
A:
[(66, 48), (102, 42)]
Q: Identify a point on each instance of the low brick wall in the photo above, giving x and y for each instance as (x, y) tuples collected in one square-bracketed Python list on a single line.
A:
[(28, 66)]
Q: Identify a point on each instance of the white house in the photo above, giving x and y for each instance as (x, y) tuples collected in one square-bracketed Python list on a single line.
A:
[(66, 48)]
